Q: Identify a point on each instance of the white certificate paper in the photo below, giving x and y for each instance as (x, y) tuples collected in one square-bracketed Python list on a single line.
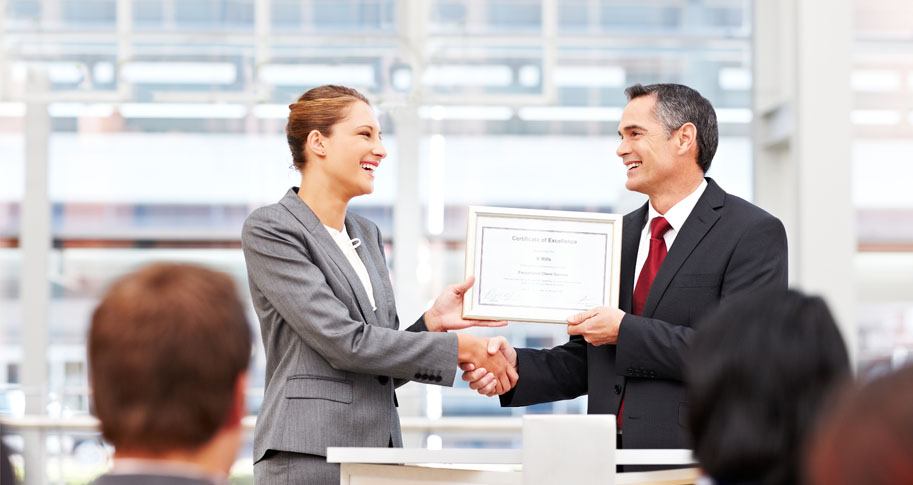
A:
[(541, 266)]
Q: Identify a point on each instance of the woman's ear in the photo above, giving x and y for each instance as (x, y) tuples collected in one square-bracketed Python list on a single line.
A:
[(315, 143)]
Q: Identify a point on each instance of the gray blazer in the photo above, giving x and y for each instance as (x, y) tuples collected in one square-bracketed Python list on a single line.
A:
[(329, 357)]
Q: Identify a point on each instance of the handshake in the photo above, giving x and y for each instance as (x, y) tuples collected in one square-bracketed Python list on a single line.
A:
[(489, 365)]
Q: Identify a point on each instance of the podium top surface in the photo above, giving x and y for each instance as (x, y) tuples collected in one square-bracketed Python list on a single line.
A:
[(489, 456)]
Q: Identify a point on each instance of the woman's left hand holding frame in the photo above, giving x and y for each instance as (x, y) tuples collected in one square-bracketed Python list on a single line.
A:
[(447, 311)]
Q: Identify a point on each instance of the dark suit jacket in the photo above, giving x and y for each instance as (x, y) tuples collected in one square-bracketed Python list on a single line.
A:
[(726, 246)]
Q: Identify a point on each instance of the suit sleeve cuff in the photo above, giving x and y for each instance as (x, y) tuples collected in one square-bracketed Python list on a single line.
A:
[(419, 325)]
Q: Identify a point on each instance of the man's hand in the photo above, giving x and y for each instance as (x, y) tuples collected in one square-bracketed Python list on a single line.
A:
[(447, 311), (485, 382), (598, 326)]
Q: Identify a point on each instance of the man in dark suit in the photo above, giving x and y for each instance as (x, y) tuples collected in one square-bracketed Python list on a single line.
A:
[(168, 352), (690, 247)]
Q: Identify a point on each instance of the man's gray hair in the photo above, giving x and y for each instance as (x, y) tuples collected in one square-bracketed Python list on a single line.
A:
[(676, 105)]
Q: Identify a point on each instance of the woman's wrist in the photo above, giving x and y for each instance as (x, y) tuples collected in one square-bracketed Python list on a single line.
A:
[(464, 354), (470, 348)]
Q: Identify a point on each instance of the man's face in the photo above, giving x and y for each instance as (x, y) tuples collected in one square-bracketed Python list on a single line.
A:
[(647, 153)]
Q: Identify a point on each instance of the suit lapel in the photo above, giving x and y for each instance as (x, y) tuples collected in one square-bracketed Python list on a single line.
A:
[(372, 261), (602, 358), (632, 226), (331, 250), (698, 223)]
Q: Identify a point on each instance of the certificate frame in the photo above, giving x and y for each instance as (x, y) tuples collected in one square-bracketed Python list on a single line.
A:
[(533, 241)]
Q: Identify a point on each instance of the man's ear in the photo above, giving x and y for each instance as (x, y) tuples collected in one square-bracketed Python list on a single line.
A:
[(315, 143), (686, 138), (237, 410)]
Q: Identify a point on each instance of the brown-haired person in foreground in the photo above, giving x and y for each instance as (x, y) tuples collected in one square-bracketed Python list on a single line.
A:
[(168, 351), (321, 288), (868, 437)]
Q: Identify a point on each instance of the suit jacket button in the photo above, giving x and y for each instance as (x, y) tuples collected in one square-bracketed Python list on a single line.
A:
[(437, 378), (418, 375), (383, 380), (425, 377), (617, 389)]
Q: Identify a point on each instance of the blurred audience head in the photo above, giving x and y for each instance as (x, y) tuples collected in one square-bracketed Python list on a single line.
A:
[(168, 351), (868, 436), (758, 370)]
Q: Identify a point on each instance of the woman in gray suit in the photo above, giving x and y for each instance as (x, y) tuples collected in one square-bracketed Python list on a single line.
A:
[(322, 292)]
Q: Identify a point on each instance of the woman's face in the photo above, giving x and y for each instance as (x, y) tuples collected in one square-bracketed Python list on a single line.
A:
[(354, 151)]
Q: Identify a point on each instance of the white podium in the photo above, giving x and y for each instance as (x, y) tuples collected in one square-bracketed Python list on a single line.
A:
[(556, 450)]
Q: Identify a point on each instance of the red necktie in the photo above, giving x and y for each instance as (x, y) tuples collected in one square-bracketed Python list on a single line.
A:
[(658, 227)]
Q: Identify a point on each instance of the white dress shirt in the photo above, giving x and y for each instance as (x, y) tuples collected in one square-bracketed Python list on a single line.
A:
[(676, 217), (348, 245)]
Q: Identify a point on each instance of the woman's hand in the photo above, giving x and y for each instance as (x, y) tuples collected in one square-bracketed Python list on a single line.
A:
[(500, 375), (447, 311), (483, 381)]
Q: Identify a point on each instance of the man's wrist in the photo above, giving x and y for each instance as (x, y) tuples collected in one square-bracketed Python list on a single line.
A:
[(431, 322)]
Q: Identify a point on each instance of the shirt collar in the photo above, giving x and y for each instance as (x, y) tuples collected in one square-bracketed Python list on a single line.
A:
[(343, 234), (679, 212)]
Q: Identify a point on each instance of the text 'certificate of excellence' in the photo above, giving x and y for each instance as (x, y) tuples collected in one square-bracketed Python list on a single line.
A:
[(539, 265)]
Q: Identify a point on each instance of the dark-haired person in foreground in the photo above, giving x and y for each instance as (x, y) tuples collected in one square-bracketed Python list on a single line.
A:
[(6, 468), (758, 372), (686, 250), (867, 438), (168, 351)]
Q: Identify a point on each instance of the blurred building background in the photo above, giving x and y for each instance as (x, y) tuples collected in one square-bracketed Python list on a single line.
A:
[(134, 131)]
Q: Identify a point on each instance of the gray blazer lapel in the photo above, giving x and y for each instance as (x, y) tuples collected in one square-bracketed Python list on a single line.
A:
[(702, 218), (325, 242), (371, 257)]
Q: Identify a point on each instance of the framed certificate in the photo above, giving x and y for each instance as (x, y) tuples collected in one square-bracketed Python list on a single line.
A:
[(540, 265)]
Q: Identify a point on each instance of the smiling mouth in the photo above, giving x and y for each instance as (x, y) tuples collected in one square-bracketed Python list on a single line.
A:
[(633, 165), (369, 167)]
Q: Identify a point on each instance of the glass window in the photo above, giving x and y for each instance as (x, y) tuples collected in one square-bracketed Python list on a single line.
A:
[(883, 128), (84, 13), (12, 373), (163, 141), (12, 186)]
